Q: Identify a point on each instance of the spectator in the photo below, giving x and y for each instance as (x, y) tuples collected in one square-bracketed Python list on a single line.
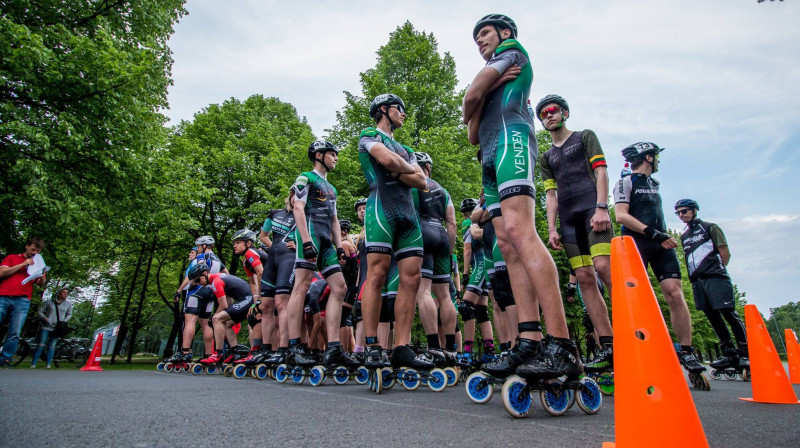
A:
[(15, 298), (53, 312)]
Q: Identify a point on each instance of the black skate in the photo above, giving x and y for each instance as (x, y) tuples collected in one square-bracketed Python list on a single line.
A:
[(559, 357), (335, 356), (409, 370), (556, 375), (733, 363), (695, 369)]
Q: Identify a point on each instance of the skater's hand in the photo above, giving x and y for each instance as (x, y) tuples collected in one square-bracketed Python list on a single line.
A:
[(554, 239), (601, 221), (310, 252), (669, 243)]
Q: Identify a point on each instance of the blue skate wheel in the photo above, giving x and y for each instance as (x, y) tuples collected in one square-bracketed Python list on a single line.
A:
[(362, 375), (589, 396), (437, 381), (556, 400), (478, 388), (341, 375), (516, 397)]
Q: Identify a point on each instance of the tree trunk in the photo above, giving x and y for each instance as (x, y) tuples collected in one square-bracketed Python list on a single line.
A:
[(177, 320), (137, 323), (123, 327)]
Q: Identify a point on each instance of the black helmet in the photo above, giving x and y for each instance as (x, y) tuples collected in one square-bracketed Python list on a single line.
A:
[(551, 99), (362, 201), (344, 224), (498, 21), (689, 203), (386, 99), (637, 151), (244, 235), (468, 205), (423, 157), (205, 239), (197, 270), (321, 146)]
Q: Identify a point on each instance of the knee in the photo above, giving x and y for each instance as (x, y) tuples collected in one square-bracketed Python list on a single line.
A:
[(481, 313), (586, 277)]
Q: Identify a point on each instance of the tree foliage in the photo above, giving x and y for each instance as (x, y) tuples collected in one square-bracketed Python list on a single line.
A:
[(246, 154)]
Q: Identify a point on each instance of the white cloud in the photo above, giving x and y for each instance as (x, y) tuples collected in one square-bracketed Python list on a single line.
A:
[(715, 82)]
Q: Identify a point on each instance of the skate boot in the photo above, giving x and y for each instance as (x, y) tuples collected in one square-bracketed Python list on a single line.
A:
[(179, 357), (438, 356), (450, 358), (375, 357), (335, 356), (603, 362), (695, 369), (744, 356), (522, 351), (465, 360), (277, 358), (559, 357), (730, 358), (214, 358), (250, 359), (690, 362), (403, 356), (300, 356)]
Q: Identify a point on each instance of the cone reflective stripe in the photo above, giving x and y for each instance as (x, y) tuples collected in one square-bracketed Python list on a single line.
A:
[(93, 363), (793, 353), (653, 405), (767, 375)]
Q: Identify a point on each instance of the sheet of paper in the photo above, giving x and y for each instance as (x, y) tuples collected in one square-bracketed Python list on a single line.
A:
[(38, 264)]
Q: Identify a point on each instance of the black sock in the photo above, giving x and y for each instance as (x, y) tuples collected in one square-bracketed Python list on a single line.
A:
[(450, 342), (293, 342), (433, 340), (606, 340), (334, 344)]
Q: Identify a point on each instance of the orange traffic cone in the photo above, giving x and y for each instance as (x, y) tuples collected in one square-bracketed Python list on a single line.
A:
[(793, 353), (768, 378), (648, 380), (93, 363)]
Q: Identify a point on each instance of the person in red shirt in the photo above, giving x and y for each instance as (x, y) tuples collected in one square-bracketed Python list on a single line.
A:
[(15, 298)]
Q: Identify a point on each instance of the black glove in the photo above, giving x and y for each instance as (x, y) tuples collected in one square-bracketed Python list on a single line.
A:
[(464, 282), (656, 235), (341, 254), (309, 251)]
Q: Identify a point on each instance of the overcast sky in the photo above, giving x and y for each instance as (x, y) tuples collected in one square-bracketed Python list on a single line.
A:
[(715, 82)]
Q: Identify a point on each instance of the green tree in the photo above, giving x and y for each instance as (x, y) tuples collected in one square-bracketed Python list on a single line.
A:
[(410, 66), (246, 154), (81, 86), (782, 318)]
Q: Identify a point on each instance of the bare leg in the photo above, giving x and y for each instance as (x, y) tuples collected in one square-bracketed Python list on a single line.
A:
[(405, 305)]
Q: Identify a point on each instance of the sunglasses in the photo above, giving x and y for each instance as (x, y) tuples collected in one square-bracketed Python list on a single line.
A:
[(399, 108), (552, 110), (682, 211)]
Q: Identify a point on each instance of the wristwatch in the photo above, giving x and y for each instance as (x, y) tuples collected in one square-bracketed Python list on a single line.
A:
[(602, 205)]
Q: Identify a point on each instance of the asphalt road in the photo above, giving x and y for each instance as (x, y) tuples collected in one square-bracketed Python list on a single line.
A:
[(142, 409)]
